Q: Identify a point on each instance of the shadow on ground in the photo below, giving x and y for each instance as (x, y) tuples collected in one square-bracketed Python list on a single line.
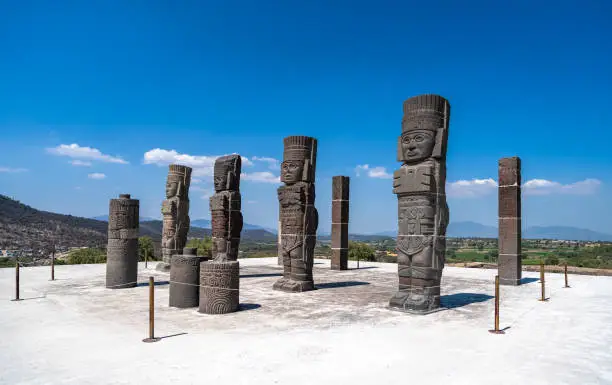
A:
[(333, 285), (528, 280), (248, 306), (456, 300), (262, 275)]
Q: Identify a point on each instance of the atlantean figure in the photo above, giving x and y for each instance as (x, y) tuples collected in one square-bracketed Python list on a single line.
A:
[(122, 248), (225, 209), (422, 210), (175, 212), (298, 215)]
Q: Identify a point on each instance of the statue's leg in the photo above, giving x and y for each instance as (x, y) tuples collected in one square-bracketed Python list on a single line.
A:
[(301, 266), (405, 280), (425, 294)]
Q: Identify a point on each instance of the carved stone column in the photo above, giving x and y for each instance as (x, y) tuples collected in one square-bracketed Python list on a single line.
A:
[(185, 279), (122, 248), (509, 243), (340, 219), (219, 287)]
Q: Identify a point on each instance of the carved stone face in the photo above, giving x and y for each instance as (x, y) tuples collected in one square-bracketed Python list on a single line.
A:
[(220, 181), (291, 171), (171, 189), (417, 145)]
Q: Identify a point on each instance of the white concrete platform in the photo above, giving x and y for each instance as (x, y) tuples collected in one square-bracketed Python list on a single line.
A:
[(75, 331)]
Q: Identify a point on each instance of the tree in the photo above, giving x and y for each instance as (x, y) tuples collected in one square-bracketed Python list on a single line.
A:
[(493, 255), (86, 255), (361, 251), (145, 246), (203, 245)]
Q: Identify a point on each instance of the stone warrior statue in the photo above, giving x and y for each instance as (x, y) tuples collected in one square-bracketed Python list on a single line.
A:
[(299, 217), (175, 212), (422, 211), (225, 212)]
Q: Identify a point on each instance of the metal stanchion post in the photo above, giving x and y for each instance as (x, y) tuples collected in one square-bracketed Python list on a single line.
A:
[(542, 282), (151, 313), (53, 265), (496, 330), (16, 281), (565, 270)]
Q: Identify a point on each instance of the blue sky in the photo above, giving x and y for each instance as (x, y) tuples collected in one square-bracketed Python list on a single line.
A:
[(97, 97)]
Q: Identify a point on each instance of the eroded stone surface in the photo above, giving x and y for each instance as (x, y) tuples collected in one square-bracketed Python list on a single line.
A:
[(509, 241)]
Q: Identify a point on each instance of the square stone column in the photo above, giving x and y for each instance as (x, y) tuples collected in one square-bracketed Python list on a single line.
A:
[(340, 219), (509, 262)]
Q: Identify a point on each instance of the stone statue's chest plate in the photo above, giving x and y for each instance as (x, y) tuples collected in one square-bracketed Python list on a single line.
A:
[(415, 179)]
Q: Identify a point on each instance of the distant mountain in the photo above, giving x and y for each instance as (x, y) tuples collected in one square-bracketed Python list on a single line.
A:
[(358, 237), (469, 229), (566, 233), (24, 227), (105, 218), (205, 224)]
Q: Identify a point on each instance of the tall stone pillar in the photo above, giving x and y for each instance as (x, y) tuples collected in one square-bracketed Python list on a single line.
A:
[(299, 217), (122, 248), (340, 219), (422, 210), (509, 262), (175, 212)]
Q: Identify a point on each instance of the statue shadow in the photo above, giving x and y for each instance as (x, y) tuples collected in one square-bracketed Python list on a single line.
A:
[(248, 306), (156, 283), (363, 268), (452, 301), (525, 281), (262, 275), (333, 285)]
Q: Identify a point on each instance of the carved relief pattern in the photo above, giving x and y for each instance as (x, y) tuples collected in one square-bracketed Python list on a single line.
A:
[(219, 287)]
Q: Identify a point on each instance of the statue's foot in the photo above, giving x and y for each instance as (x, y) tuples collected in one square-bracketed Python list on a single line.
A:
[(423, 302), (291, 286), (162, 266)]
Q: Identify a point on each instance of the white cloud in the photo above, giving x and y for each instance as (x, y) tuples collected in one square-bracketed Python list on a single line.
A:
[(78, 152), (251, 202), (273, 164), (203, 165), (373, 172), (12, 170), (545, 187), (471, 188), (96, 175), (196, 181), (80, 163), (481, 187), (260, 176)]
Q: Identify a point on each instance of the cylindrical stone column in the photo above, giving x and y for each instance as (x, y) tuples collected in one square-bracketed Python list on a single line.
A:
[(509, 262), (185, 279), (122, 247), (340, 219), (219, 286)]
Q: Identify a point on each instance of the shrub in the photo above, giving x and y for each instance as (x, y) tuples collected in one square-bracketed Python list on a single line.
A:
[(87, 255)]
